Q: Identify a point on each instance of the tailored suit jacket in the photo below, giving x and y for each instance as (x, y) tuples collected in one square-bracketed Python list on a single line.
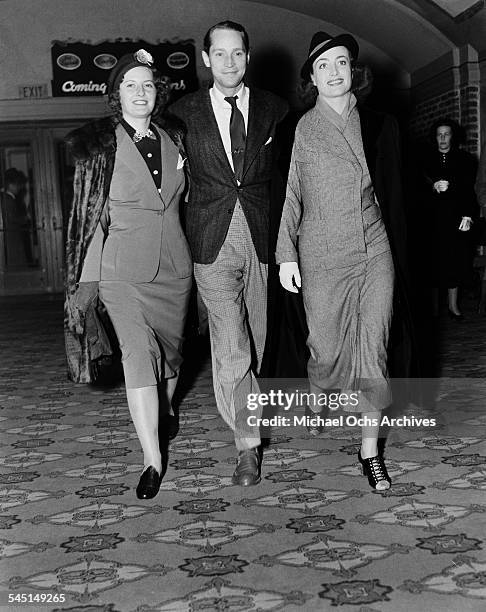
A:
[(213, 187), (323, 200), (145, 230), (96, 148)]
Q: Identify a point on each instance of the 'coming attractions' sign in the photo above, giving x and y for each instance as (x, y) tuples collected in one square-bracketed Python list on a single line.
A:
[(82, 69)]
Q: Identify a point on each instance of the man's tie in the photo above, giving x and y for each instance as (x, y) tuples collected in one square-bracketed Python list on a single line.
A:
[(238, 137)]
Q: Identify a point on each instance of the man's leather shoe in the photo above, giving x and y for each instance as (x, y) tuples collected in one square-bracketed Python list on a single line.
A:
[(247, 471), (149, 483)]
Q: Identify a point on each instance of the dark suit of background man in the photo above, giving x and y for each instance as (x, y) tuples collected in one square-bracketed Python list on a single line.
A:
[(230, 152)]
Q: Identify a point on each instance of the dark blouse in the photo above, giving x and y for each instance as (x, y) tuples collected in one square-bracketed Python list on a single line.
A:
[(459, 169), (149, 149)]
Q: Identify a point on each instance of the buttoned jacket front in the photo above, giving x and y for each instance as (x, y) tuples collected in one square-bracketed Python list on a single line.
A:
[(144, 223), (322, 211), (323, 200), (109, 168)]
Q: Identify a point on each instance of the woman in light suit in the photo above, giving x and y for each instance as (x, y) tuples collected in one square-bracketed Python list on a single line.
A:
[(125, 238), (333, 242)]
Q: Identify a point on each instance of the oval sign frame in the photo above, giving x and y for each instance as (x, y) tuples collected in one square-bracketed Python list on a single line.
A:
[(98, 64), (173, 57), (71, 55)]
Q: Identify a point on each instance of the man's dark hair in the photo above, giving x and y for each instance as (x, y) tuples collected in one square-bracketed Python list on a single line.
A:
[(227, 25), (13, 176)]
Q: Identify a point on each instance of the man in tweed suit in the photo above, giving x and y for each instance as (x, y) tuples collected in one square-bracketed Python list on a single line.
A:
[(229, 143)]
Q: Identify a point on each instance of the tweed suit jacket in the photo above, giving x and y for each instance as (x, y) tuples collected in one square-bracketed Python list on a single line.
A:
[(213, 186), (322, 211)]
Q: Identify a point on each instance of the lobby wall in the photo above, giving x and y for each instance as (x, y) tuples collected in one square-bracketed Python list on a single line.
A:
[(449, 87), (279, 37)]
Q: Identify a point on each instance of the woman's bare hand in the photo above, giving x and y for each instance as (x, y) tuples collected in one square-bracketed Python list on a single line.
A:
[(440, 186), (290, 276)]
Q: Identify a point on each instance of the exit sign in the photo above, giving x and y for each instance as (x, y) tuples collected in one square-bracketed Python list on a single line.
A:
[(33, 91)]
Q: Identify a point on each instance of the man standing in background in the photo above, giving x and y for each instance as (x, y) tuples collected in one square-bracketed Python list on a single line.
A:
[(16, 221)]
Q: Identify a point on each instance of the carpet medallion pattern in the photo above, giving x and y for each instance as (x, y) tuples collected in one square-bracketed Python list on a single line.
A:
[(312, 536)]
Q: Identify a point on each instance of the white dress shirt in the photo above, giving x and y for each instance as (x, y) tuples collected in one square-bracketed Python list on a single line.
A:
[(222, 112)]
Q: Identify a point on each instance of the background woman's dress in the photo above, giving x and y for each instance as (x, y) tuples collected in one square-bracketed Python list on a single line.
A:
[(449, 252)]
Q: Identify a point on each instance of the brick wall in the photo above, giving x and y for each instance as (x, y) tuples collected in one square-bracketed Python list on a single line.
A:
[(469, 117), (427, 111), (450, 87)]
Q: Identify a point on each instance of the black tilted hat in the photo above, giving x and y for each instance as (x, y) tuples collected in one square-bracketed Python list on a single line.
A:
[(126, 63), (322, 41)]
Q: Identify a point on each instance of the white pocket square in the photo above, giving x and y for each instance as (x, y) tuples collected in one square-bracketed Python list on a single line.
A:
[(180, 162), (268, 141)]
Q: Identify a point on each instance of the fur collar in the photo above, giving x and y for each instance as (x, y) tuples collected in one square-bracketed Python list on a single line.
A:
[(93, 138), (99, 136)]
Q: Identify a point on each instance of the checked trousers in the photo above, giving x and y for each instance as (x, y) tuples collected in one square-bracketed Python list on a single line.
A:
[(234, 290)]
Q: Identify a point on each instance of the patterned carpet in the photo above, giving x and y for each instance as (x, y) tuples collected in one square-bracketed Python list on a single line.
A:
[(311, 536)]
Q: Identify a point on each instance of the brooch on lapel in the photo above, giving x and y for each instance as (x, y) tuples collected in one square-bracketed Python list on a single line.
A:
[(137, 137)]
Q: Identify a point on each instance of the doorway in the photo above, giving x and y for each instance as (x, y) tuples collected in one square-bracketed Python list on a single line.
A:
[(33, 178)]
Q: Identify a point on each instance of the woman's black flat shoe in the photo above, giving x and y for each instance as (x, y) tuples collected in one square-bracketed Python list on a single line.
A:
[(374, 468), (149, 483)]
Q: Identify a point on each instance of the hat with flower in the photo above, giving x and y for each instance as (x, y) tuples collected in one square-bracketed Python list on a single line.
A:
[(126, 63)]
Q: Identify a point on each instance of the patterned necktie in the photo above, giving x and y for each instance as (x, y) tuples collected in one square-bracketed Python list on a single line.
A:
[(238, 137)]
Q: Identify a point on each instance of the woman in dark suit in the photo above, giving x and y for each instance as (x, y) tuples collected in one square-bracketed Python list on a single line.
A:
[(125, 239), (448, 175)]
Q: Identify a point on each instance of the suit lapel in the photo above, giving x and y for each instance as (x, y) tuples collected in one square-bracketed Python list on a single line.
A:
[(337, 143), (130, 156), (212, 134), (257, 127), (169, 154)]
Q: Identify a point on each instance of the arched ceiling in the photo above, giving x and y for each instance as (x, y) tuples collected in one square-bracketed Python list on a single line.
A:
[(413, 33)]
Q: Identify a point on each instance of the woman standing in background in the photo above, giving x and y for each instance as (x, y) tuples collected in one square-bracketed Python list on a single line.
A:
[(448, 177)]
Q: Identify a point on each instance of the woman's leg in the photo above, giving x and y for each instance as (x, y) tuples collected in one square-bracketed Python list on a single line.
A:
[(452, 300), (369, 435), (373, 465), (166, 392), (143, 404), (169, 423), (170, 389), (375, 314)]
